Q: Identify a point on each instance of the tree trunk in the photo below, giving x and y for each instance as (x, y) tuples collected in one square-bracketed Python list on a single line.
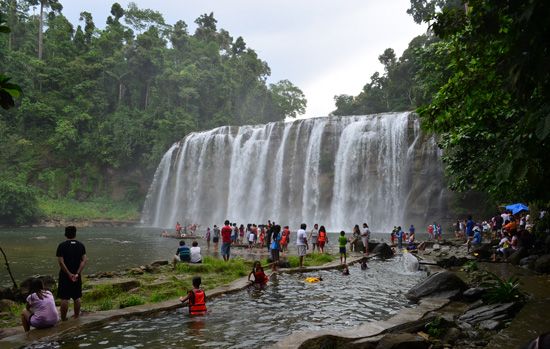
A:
[(8, 267), (40, 27)]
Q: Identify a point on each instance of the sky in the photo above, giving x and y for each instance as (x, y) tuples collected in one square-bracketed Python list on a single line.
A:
[(324, 47)]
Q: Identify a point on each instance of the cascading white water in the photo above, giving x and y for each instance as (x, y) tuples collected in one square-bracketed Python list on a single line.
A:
[(335, 171)]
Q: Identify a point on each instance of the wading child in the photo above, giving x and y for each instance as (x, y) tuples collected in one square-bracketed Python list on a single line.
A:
[(342, 241), (196, 298), (260, 279), (345, 271), (40, 310), (364, 264)]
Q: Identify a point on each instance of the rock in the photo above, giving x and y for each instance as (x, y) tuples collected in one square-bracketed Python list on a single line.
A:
[(6, 293), (476, 304), (441, 285), (542, 264), (489, 312), (451, 335), (436, 247), (47, 280), (383, 251), (7, 304), (126, 285), (402, 341), (452, 262), (484, 251), (159, 263), (135, 271), (491, 325), (529, 261), (518, 255), (473, 293)]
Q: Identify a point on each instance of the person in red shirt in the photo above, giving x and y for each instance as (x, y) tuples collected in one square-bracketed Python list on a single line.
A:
[(226, 240)]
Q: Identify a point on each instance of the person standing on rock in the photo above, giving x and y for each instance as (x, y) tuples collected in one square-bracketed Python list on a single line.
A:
[(365, 235), (71, 256)]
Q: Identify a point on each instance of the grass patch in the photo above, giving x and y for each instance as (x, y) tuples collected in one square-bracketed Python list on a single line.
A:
[(99, 208), (312, 259), (130, 301)]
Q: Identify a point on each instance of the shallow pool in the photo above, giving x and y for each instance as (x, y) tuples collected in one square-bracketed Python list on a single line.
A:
[(254, 318)]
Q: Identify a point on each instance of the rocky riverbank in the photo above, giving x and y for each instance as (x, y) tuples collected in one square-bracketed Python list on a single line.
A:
[(464, 303)]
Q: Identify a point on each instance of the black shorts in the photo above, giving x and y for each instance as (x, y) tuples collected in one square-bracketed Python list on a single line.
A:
[(67, 289), (342, 250), (215, 239)]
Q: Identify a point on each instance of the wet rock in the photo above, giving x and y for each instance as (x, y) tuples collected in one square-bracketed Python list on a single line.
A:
[(452, 261), (436, 247), (6, 304), (473, 293), (476, 304), (6, 293), (47, 280), (126, 285), (452, 335), (441, 285), (491, 325), (402, 341), (383, 251), (518, 255), (529, 261), (489, 312), (542, 264), (159, 263)]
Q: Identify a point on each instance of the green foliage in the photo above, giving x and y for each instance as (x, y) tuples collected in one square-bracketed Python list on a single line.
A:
[(235, 267), (502, 290), (100, 208), (492, 105), (100, 292), (101, 104), (18, 204), (130, 301), (470, 266), (106, 304), (434, 328)]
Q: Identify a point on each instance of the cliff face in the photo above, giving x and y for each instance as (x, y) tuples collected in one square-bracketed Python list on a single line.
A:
[(336, 171)]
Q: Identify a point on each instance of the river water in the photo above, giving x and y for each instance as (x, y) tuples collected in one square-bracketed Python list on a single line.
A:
[(31, 251), (256, 318)]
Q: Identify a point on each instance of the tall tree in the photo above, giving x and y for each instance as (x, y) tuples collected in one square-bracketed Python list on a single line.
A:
[(55, 6)]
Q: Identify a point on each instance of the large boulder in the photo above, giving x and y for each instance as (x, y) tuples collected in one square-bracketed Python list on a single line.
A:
[(484, 251), (440, 285), (383, 251), (542, 264), (518, 255), (495, 312)]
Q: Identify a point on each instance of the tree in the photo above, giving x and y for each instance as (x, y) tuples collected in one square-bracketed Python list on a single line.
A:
[(289, 98), (492, 110), (8, 91), (56, 6)]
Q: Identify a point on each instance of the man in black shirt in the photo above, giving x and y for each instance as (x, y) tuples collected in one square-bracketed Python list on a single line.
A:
[(71, 256)]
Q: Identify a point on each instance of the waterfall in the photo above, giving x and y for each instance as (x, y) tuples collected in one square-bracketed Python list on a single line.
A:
[(335, 171)]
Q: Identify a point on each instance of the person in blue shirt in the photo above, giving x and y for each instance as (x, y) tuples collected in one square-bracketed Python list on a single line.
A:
[(399, 238), (275, 247), (470, 228), (183, 254)]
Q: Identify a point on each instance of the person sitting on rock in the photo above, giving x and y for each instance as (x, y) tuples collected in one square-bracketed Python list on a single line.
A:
[(40, 310)]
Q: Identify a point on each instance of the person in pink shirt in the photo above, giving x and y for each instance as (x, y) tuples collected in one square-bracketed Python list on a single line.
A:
[(41, 311)]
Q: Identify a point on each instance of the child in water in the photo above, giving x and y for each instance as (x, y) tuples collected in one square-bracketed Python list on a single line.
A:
[(260, 279), (364, 264), (345, 271), (196, 298), (41, 311)]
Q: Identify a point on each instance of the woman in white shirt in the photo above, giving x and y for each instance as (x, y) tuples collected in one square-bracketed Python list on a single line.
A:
[(196, 253)]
